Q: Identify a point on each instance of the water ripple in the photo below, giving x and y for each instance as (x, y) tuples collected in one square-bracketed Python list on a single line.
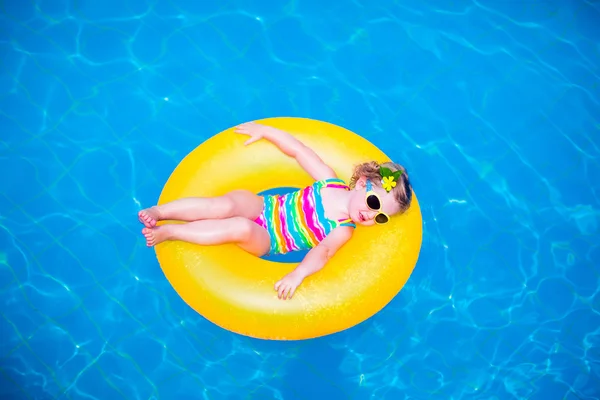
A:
[(491, 106)]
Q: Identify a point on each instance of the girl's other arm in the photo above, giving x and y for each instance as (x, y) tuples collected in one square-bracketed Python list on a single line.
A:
[(314, 261)]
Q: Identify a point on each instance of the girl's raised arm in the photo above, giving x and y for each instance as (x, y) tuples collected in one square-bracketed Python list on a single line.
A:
[(289, 145)]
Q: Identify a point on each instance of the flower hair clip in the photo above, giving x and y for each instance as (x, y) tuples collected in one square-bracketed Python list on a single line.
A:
[(389, 178)]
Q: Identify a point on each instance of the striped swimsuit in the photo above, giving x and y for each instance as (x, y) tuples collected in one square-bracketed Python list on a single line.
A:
[(296, 221)]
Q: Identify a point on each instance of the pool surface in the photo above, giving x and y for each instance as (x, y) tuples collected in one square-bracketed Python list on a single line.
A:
[(492, 106)]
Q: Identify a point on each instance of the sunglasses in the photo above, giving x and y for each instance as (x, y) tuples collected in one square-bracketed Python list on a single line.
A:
[(374, 203)]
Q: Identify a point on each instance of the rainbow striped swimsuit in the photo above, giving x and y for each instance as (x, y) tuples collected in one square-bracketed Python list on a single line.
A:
[(296, 221)]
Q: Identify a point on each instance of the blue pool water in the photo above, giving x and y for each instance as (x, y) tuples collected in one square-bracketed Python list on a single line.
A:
[(493, 106)]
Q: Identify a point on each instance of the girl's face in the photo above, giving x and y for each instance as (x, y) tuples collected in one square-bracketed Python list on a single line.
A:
[(359, 210)]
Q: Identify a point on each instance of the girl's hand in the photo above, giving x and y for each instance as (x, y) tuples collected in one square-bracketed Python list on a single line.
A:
[(287, 285), (254, 130)]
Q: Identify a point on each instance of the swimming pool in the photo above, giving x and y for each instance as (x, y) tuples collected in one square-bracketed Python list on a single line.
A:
[(492, 106)]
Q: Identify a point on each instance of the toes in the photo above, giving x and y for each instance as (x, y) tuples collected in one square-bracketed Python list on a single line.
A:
[(149, 234), (154, 235), (146, 219), (143, 217), (149, 221)]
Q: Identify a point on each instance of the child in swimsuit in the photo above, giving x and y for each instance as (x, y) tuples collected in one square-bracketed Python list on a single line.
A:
[(320, 217)]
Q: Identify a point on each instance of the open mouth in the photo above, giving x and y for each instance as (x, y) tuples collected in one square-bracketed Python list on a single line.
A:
[(361, 217)]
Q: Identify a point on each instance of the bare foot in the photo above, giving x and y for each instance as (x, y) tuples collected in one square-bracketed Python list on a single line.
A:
[(149, 217), (155, 235)]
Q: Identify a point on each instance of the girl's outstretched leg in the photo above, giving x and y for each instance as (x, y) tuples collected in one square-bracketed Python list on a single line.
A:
[(239, 230), (238, 203)]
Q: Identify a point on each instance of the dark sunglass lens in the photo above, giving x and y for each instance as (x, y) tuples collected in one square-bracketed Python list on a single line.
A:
[(373, 202), (381, 219)]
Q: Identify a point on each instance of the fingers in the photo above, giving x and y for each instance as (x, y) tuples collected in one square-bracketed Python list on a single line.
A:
[(285, 291), (242, 129), (250, 124), (251, 129), (246, 127), (282, 290)]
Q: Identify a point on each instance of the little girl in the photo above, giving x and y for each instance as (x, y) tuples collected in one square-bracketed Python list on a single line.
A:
[(320, 217)]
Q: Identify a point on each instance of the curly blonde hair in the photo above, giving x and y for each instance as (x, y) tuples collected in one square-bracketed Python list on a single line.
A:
[(370, 170)]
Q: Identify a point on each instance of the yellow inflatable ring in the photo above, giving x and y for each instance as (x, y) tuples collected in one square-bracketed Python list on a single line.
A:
[(234, 289)]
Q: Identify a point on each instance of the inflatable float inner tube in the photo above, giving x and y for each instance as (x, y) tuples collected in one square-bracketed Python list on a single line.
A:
[(234, 289)]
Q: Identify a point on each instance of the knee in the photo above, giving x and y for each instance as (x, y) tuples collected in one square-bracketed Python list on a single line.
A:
[(235, 202), (243, 229), (227, 205)]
